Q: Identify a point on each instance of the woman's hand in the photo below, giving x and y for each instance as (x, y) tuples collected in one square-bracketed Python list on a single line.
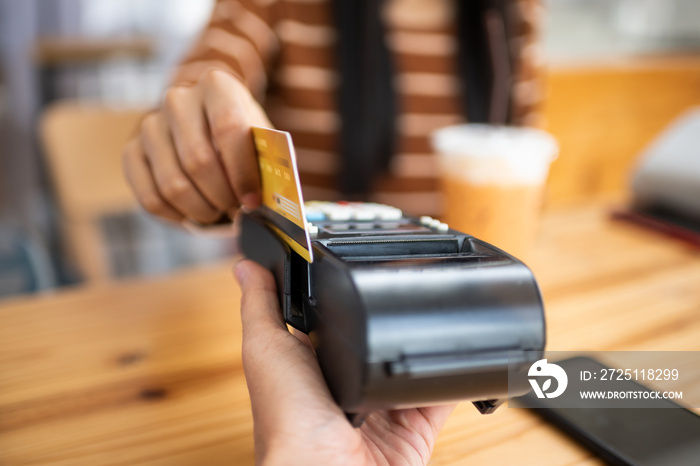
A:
[(194, 158), (295, 418)]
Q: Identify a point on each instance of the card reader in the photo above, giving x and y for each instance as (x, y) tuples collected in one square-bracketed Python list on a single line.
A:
[(402, 312)]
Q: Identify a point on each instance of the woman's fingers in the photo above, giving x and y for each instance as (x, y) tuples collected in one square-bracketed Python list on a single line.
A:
[(139, 176), (231, 111), (172, 183), (184, 115), (197, 156)]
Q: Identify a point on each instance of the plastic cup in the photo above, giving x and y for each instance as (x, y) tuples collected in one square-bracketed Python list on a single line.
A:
[(493, 181)]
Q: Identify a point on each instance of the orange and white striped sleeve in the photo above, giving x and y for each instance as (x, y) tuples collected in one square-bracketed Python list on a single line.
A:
[(240, 39)]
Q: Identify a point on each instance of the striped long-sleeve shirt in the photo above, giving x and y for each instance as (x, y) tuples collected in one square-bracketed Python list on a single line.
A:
[(284, 51)]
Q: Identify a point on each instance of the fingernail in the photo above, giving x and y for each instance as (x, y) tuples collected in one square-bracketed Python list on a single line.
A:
[(250, 200)]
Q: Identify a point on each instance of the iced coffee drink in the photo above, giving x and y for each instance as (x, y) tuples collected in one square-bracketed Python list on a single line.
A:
[(493, 181)]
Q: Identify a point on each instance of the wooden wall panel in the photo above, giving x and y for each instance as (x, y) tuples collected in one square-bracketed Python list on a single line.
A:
[(605, 114)]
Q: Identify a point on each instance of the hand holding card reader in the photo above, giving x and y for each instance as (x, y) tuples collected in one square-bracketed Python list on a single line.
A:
[(402, 312)]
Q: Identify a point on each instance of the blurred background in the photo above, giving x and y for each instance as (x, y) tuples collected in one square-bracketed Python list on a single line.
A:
[(75, 75)]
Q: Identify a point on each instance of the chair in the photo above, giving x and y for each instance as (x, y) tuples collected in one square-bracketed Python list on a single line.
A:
[(83, 145)]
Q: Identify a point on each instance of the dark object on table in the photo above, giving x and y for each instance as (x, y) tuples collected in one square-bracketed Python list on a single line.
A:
[(664, 434), (664, 221)]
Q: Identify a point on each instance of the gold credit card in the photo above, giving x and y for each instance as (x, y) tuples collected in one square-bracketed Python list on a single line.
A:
[(282, 201)]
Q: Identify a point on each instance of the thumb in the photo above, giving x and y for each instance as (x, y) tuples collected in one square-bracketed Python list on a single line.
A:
[(260, 312), (282, 373)]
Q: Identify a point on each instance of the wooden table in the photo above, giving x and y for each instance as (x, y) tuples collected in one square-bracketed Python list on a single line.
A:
[(148, 372)]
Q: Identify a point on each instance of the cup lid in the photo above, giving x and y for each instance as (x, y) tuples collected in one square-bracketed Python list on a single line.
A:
[(481, 140)]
